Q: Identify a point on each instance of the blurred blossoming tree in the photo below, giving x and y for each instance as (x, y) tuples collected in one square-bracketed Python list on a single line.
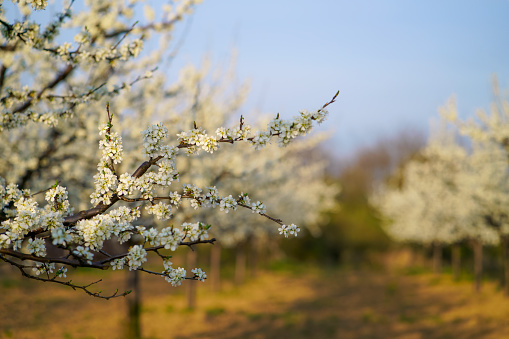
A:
[(451, 193), (61, 78)]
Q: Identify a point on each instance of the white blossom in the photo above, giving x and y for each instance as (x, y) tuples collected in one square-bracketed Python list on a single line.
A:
[(61, 272), (84, 252), (37, 247), (258, 207), (199, 274), (289, 230), (170, 238), (57, 197), (152, 139), (161, 210), (136, 257), (43, 268), (227, 204), (73, 108), (60, 236), (175, 276)]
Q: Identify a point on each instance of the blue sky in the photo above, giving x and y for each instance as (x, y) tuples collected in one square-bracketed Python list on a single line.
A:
[(395, 61)]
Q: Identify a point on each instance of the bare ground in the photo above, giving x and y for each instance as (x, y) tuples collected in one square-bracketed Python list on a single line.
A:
[(301, 303)]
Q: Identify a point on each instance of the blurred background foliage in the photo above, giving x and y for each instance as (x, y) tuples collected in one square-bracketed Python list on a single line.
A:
[(353, 234)]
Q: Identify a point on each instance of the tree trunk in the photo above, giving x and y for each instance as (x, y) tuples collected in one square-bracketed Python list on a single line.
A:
[(477, 244), (191, 286), (437, 258), (215, 267), (411, 257), (134, 305), (240, 264), (505, 253), (456, 261), (253, 257)]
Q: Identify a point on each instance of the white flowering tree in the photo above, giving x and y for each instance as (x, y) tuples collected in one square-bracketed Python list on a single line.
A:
[(46, 80), (277, 176), (448, 196), (424, 209), (491, 131)]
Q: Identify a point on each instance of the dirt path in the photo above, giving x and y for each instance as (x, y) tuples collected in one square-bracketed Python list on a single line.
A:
[(298, 304)]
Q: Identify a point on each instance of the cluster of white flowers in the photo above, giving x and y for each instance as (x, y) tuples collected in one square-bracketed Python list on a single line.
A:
[(169, 152), (152, 140), (84, 253), (26, 220), (89, 234), (61, 272), (57, 198), (161, 210), (105, 182), (43, 268), (198, 138), (175, 276), (199, 274), (212, 197), (175, 198), (60, 236), (224, 133), (260, 139), (37, 247), (63, 51), (228, 203), (194, 192), (167, 173), (136, 256), (111, 147), (170, 238), (8, 193), (289, 229), (38, 4), (102, 227), (117, 264), (126, 184), (242, 133), (27, 217), (145, 185), (286, 130), (258, 207), (103, 38), (196, 231), (123, 217), (244, 199), (87, 54)]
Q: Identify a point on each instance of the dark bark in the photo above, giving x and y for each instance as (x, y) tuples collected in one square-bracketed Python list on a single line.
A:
[(215, 267), (191, 284), (60, 77), (240, 264), (505, 253), (437, 257), (253, 257), (134, 305), (3, 70), (101, 208), (478, 248), (44, 157), (456, 261)]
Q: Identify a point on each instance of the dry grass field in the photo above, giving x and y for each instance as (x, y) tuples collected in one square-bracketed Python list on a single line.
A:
[(300, 302)]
